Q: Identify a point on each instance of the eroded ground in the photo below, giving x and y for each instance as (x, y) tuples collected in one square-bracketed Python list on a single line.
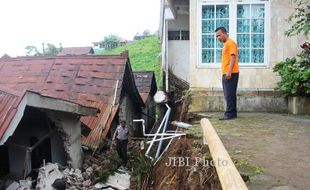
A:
[(272, 149), (182, 168)]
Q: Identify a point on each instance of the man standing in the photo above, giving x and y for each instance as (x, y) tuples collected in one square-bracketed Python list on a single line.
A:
[(121, 135), (230, 71)]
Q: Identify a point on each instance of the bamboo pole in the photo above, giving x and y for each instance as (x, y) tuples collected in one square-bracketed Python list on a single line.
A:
[(228, 174)]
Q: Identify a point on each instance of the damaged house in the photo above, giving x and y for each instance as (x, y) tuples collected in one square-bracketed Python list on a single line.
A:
[(146, 84), (47, 103)]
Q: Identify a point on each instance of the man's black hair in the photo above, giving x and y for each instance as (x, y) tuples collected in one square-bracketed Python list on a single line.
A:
[(221, 28)]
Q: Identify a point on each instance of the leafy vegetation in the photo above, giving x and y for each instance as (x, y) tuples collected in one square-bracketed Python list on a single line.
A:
[(300, 19), (109, 168), (295, 74), (141, 170), (143, 55), (50, 50), (110, 42), (247, 169)]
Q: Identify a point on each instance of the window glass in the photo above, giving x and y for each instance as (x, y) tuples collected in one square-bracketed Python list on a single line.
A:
[(213, 16), (250, 33)]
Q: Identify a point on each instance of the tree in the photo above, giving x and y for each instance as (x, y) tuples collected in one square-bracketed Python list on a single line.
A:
[(32, 51), (146, 33), (110, 42), (50, 50), (300, 19)]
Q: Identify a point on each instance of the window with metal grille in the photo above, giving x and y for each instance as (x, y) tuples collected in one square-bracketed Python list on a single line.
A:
[(246, 23), (178, 35)]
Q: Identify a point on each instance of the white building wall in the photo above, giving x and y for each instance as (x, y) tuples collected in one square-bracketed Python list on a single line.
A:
[(178, 50), (178, 58), (181, 22)]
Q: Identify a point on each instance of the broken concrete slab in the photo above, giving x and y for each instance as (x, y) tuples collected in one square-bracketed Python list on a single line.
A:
[(13, 186), (119, 180), (47, 175), (25, 184)]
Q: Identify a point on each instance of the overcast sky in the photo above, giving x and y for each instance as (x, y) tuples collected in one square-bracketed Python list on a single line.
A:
[(72, 22)]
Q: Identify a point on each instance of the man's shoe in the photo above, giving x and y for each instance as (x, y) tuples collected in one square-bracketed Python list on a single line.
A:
[(226, 118)]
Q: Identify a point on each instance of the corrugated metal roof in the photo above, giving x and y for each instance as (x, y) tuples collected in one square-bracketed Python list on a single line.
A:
[(76, 51), (84, 79), (8, 107), (88, 80), (99, 126)]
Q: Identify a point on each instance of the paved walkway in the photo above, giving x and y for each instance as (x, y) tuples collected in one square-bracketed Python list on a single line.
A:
[(279, 144)]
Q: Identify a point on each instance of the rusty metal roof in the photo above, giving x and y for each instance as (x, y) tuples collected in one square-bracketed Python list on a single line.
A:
[(9, 101), (88, 80), (146, 83), (76, 51)]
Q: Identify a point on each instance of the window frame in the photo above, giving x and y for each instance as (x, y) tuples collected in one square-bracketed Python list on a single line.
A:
[(181, 36), (233, 30)]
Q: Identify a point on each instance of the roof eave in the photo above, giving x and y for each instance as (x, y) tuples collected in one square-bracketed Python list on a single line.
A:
[(34, 99)]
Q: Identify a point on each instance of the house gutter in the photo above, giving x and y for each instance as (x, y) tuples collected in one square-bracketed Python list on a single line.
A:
[(164, 48)]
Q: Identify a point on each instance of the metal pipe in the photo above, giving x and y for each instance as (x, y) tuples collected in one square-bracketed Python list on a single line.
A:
[(164, 130), (169, 137), (166, 57), (165, 149), (159, 134), (159, 128)]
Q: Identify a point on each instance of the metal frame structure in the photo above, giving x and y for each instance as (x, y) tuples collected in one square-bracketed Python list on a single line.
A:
[(160, 136)]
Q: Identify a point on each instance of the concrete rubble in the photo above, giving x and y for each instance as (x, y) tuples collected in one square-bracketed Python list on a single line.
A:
[(75, 178), (85, 178), (119, 180), (47, 175), (22, 185)]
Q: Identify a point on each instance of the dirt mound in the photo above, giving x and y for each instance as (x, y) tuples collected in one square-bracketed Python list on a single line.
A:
[(186, 165)]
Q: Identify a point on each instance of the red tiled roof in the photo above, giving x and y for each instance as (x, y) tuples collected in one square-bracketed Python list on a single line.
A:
[(88, 80), (146, 84), (76, 51)]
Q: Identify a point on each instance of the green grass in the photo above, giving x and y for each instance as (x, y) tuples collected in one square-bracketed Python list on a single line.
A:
[(144, 55)]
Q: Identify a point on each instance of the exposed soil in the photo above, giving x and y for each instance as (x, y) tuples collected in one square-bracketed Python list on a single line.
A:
[(192, 173)]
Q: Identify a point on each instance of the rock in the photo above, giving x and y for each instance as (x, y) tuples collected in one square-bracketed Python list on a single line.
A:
[(86, 183), (99, 185), (85, 175), (89, 170), (94, 166)]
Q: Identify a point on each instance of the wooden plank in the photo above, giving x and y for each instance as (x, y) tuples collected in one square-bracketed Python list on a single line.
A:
[(228, 174)]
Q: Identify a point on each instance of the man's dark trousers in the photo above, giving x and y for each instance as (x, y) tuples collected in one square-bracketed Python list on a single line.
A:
[(121, 147), (230, 94)]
